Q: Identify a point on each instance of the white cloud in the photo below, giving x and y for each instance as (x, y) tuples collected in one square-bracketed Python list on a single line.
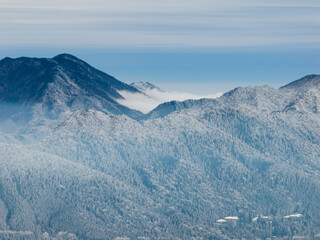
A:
[(153, 97)]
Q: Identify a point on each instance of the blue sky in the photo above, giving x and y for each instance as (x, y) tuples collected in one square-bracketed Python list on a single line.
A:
[(199, 46)]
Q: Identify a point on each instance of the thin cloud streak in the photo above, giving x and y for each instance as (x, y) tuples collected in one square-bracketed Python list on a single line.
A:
[(164, 5), (186, 23)]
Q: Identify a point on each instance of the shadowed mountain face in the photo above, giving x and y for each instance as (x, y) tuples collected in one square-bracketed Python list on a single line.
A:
[(307, 82), (249, 159), (24, 80), (61, 83)]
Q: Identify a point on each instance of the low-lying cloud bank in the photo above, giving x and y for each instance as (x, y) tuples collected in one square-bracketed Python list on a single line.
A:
[(153, 97)]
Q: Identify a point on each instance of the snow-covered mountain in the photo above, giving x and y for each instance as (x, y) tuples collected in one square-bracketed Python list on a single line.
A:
[(244, 165), (151, 96), (59, 81), (36, 90), (145, 86)]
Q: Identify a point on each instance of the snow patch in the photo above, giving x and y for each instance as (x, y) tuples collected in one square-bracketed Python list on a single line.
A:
[(297, 215), (221, 221), (231, 218)]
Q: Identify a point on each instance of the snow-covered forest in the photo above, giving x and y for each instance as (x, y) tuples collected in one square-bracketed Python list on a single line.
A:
[(76, 164)]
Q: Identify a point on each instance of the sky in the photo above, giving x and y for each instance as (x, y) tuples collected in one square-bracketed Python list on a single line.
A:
[(195, 46)]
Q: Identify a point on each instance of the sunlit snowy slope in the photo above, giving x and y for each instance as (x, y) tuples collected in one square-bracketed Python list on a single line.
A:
[(75, 163)]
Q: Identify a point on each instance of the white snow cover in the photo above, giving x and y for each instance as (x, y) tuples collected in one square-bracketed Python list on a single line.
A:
[(297, 215), (221, 221), (203, 158), (231, 218)]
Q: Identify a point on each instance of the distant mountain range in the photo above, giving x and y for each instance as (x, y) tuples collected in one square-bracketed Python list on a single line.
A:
[(77, 164)]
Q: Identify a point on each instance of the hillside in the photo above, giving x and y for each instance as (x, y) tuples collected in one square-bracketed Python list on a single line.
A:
[(245, 165)]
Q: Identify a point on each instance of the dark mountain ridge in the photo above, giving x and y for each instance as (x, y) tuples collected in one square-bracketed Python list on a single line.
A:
[(59, 83), (312, 80)]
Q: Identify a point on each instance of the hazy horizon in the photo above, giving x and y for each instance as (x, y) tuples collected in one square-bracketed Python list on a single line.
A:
[(200, 47)]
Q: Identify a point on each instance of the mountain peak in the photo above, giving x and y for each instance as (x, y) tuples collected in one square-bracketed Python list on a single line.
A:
[(304, 94), (5, 59), (60, 83), (307, 81), (66, 56), (143, 86)]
